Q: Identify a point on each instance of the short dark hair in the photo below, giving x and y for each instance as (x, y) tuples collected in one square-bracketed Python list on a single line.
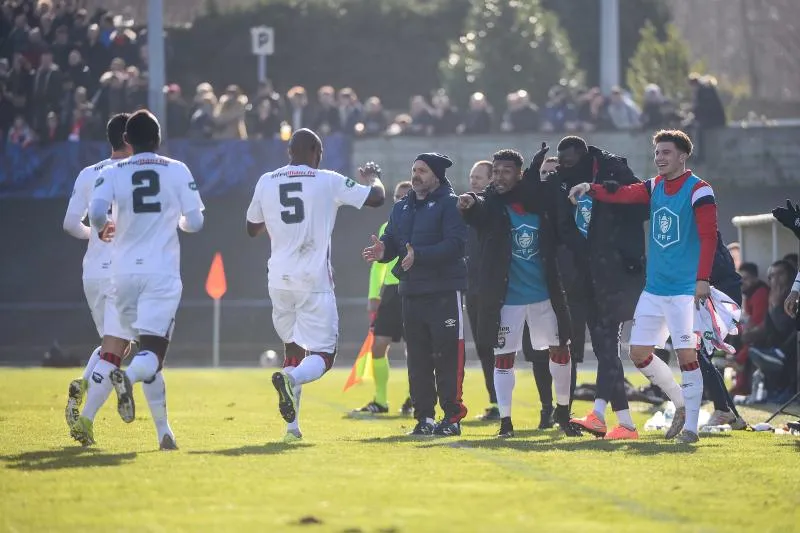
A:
[(681, 141), (509, 155), (785, 265), (143, 131), (115, 130), (749, 268), (573, 141), (791, 258)]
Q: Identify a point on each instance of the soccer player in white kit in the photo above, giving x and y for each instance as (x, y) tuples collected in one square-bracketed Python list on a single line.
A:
[(152, 197), (296, 205), (96, 268)]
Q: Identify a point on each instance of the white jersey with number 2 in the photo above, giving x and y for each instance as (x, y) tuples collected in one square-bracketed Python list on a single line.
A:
[(149, 193), (298, 205)]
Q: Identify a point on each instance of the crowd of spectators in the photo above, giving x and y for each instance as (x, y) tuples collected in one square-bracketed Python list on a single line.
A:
[(64, 71)]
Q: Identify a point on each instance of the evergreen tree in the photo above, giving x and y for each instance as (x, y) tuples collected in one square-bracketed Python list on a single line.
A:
[(663, 62)]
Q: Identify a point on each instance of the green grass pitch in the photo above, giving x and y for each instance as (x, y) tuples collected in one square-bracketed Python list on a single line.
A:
[(232, 473)]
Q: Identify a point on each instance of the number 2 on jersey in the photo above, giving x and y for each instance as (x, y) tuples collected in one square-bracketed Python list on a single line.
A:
[(147, 184), (298, 212)]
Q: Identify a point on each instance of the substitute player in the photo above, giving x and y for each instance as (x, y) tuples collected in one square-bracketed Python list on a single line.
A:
[(386, 316), (296, 205), (683, 238), (152, 196), (96, 269)]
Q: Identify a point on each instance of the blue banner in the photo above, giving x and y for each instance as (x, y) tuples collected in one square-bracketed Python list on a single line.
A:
[(219, 167)]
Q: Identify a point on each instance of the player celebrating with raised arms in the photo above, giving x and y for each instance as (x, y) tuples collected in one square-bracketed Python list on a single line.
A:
[(296, 205), (152, 196), (96, 271), (683, 238)]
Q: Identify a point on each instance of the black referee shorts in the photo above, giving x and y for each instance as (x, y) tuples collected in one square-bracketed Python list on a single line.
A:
[(389, 318)]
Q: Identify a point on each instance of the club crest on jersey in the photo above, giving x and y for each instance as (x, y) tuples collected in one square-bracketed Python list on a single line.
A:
[(666, 227), (193, 185), (583, 214), (525, 241), (349, 183)]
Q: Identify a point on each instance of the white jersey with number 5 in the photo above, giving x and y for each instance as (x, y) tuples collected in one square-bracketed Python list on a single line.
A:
[(298, 205), (149, 193), (97, 260)]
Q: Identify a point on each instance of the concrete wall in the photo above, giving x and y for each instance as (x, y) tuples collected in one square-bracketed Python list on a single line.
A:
[(751, 169)]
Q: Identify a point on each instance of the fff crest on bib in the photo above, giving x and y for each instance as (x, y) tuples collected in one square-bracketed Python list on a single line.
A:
[(666, 227)]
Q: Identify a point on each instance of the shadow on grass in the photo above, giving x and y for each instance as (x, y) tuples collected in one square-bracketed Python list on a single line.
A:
[(270, 448), (67, 457), (370, 417)]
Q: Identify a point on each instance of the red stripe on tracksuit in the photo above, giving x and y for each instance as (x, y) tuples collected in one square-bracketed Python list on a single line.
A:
[(460, 378), (646, 362)]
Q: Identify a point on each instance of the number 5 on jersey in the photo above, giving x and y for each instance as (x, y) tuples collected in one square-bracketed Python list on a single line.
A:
[(296, 213)]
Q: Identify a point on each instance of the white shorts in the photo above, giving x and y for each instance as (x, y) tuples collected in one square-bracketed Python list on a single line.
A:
[(147, 304), (309, 319), (100, 297), (658, 317), (542, 324)]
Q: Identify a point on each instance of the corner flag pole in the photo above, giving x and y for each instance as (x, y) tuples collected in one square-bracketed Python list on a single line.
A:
[(216, 286)]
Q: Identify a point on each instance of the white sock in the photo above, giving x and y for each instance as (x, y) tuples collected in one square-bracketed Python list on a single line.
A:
[(143, 366), (99, 388), (624, 418), (561, 380), (660, 375), (600, 408), (504, 381), (310, 369), (156, 394), (93, 359), (693, 395), (295, 424)]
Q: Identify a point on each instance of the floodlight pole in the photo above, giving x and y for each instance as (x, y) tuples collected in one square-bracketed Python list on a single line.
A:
[(155, 59)]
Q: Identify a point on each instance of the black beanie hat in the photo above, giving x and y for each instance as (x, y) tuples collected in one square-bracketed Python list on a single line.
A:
[(437, 162)]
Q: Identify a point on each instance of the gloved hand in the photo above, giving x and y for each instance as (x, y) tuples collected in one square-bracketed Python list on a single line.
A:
[(789, 216), (532, 172), (611, 186)]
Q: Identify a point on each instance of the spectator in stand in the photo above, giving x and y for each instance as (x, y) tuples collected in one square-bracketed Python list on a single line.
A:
[(79, 128), (773, 347), (111, 98), (422, 120), (263, 122), (521, 115), (53, 132), (79, 72), (326, 119), (17, 40), (200, 92), (96, 53), (61, 48), (400, 126), (46, 26), (267, 92), (79, 31), (177, 112), (350, 111), (229, 115), (375, 120), (20, 135), (20, 84), (35, 48), (736, 253), (201, 125), (46, 90), (106, 29), (707, 109), (136, 89), (479, 117), (756, 303), (623, 112), (446, 117), (123, 45), (559, 113), (299, 114), (593, 111), (6, 113), (655, 112)]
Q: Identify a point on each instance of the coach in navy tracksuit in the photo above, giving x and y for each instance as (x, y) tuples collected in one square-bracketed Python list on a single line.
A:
[(426, 232)]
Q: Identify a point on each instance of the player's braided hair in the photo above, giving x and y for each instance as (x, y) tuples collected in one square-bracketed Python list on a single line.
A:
[(371, 167)]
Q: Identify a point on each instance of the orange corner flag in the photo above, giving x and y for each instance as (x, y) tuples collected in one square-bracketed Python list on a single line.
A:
[(364, 355), (215, 283)]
